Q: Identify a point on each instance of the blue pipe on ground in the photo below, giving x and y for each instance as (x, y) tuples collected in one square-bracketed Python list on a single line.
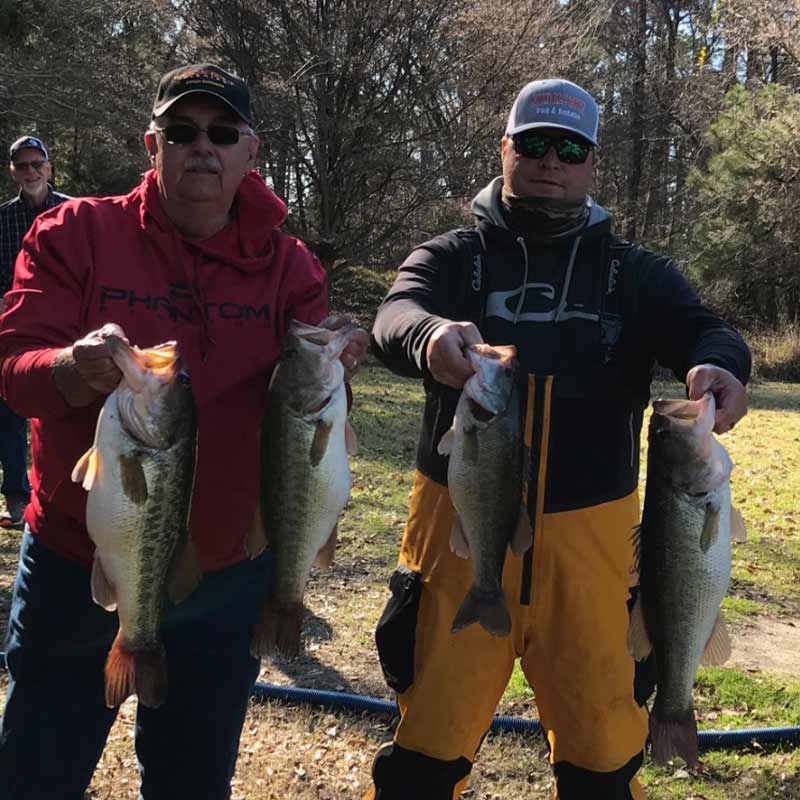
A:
[(708, 740)]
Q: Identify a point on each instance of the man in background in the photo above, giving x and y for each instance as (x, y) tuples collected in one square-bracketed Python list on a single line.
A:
[(30, 169)]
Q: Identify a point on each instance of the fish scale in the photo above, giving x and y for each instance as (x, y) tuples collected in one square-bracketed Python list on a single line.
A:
[(305, 480), (140, 476), (485, 483), (684, 547)]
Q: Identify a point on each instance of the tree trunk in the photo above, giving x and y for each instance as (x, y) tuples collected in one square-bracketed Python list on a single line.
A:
[(636, 131)]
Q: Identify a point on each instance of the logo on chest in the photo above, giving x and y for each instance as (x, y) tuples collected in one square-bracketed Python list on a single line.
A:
[(180, 305), (535, 302)]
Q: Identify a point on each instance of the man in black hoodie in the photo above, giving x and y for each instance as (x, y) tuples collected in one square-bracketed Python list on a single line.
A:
[(589, 315)]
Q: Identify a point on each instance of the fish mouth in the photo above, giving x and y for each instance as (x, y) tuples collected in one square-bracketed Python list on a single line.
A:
[(161, 361), (480, 413)]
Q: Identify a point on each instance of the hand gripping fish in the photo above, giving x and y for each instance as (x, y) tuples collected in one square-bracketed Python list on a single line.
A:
[(685, 565), (140, 475), (485, 482), (305, 481)]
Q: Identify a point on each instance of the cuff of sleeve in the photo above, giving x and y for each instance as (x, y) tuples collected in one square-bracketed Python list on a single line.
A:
[(29, 388)]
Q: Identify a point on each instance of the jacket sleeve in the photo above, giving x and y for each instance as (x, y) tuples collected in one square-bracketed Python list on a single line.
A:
[(421, 299), (678, 330), (45, 309)]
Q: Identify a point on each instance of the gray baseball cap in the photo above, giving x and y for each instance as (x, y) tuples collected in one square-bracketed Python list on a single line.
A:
[(554, 103)]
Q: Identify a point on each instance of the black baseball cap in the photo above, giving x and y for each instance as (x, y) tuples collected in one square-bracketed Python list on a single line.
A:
[(203, 79), (28, 141)]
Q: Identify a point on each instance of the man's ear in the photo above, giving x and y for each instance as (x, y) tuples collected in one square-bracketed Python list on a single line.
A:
[(253, 144), (151, 144)]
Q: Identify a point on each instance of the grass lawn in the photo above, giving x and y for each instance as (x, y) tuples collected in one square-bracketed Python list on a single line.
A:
[(302, 753)]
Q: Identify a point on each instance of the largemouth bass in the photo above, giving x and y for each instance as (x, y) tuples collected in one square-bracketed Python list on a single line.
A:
[(305, 479), (485, 482), (685, 565), (140, 474)]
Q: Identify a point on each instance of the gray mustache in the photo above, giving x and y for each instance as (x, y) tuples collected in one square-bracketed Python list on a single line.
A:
[(203, 163)]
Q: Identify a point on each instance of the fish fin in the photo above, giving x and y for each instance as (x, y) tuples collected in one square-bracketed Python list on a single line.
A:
[(151, 676), (710, 526), (491, 611), (350, 440), (186, 573), (458, 542), (262, 643), (738, 526), (639, 644), (273, 377), (120, 672), (103, 591), (522, 539), (718, 647), (277, 630), (134, 483), (325, 556), (446, 443), (86, 468), (255, 541), (319, 445), (670, 738)]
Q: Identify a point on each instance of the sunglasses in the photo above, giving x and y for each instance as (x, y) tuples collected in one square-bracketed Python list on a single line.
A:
[(184, 133), (570, 150), (23, 166)]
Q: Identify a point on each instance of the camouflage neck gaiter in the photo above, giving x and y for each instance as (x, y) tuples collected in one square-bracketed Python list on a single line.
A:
[(542, 216)]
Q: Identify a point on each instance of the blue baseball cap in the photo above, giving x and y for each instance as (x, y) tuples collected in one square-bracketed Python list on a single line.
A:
[(28, 141), (554, 103)]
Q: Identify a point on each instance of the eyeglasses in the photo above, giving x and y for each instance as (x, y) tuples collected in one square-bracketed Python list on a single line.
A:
[(23, 166), (570, 150), (184, 133)]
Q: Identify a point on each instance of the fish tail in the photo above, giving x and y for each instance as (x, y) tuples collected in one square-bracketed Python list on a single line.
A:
[(278, 630), (488, 609), (151, 676), (262, 643), (674, 737), (290, 624), (120, 673)]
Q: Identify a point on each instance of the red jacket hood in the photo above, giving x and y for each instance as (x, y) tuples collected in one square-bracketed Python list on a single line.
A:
[(245, 243)]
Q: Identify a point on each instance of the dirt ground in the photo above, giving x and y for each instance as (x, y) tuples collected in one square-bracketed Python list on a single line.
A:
[(306, 753)]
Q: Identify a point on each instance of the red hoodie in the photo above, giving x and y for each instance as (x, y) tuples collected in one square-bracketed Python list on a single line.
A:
[(227, 301)]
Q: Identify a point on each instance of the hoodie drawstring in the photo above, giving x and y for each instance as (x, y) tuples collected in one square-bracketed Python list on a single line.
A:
[(568, 278), (188, 269)]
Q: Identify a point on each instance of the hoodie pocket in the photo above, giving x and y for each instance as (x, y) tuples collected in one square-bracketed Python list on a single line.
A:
[(396, 632)]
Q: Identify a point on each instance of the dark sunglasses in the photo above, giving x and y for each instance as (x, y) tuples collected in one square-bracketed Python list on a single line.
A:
[(184, 133), (23, 166), (569, 149)]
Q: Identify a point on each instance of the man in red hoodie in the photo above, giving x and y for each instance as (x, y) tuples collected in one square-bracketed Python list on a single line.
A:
[(192, 254)]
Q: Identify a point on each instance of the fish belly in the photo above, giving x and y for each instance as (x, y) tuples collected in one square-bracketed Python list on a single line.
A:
[(136, 541), (302, 501), (683, 588)]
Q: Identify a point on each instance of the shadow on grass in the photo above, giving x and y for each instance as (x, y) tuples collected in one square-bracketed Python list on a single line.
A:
[(307, 670)]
